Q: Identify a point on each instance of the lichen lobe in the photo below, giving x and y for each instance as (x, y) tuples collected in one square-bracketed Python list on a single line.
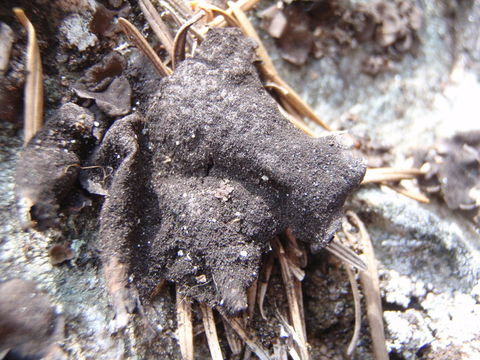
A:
[(212, 120), (199, 184)]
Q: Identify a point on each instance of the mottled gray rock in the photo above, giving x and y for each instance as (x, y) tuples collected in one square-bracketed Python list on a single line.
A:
[(432, 293), (430, 266)]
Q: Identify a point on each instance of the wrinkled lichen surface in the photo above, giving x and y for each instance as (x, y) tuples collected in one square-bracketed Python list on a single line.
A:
[(198, 185)]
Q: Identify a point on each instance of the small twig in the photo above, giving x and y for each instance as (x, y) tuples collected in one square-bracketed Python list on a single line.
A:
[(358, 312), (237, 325), (344, 253), (211, 332), (139, 41), (33, 101), (181, 38), (247, 354), (380, 178), (184, 326), (371, 288), (85, 168), (158, 25)]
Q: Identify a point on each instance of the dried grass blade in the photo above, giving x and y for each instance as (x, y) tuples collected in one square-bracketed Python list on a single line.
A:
[(296, 258), (33, 101), (295, 122), (299, 253), (178, 18), (294, 354), (248, 354), (292, 289), (280, 352), (263, 284), (301, 312), (139, 41), (181, 8), (213, 10), (379, 178), (376, 175), (358, 312), (371, 288), (294, 335), (234, 342), (237, 325), (251, 299), (185, 328), (245, 5), (181, 39), (269, 70), (299, 105), (158, 25), (211, 332), (295, 270), (117, 279), (345, 254), (412, 195), (390, 170)]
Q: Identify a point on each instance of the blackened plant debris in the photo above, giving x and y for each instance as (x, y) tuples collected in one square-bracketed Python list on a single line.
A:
[(59, 253), (49, 166), (453, 171), (105, 83), (29, 324), (328, 27), (211, 123)]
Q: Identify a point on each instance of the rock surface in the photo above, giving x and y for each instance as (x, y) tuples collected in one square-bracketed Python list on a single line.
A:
[(431, 298)]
